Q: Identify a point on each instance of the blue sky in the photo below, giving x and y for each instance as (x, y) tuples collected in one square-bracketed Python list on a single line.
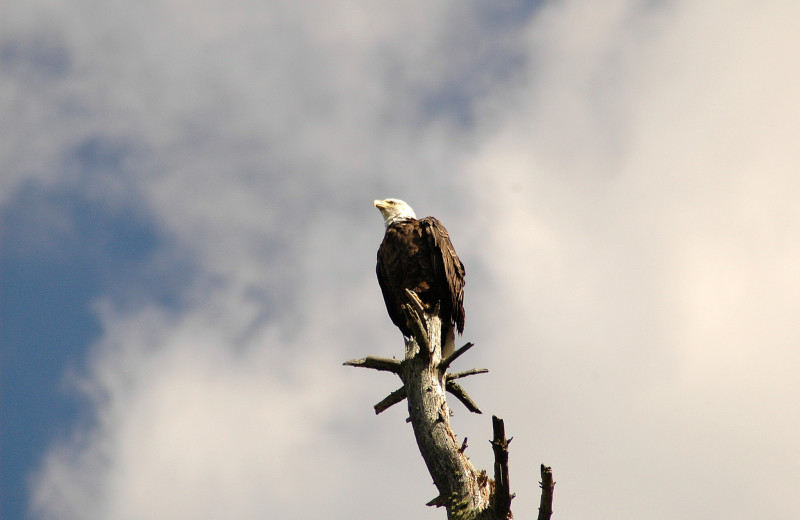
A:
[(49, 281), (187, 248)]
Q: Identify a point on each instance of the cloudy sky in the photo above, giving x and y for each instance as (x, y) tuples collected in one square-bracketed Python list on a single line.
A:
[(187, 248)]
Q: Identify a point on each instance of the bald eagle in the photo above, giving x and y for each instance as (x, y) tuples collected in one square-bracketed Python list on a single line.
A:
[(418, 255)]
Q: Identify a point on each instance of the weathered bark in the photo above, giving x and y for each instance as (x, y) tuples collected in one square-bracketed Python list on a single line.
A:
[(463, 490)]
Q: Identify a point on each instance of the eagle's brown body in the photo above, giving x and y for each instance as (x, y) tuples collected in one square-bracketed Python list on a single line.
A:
[(418, 255)]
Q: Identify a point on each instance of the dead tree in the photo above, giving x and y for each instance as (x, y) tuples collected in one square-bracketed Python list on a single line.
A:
[(464, 491)]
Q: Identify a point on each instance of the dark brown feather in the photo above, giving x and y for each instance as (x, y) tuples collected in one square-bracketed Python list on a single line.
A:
[(418, 255)]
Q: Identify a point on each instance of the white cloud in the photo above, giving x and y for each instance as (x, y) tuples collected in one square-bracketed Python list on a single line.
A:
[(643, 186), (625, 204)]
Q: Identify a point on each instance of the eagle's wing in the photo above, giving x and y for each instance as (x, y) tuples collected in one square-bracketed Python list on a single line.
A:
[(446, 260), (390, 297)]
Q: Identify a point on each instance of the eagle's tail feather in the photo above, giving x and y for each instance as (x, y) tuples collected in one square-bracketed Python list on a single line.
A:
[(448, 341)]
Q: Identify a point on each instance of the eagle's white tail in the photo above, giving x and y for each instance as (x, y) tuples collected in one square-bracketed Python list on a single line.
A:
[(448, 342)]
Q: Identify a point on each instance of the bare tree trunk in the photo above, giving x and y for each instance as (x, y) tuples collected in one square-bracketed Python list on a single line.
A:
[(465, 492)]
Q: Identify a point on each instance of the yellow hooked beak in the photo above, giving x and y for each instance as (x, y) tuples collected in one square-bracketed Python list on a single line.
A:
[(378, 203)]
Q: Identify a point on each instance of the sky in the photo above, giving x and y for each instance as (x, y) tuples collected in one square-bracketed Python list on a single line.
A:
[(187, 251)]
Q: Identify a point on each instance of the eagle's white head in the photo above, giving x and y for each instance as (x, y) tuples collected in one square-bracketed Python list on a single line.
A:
[(394, 210)]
